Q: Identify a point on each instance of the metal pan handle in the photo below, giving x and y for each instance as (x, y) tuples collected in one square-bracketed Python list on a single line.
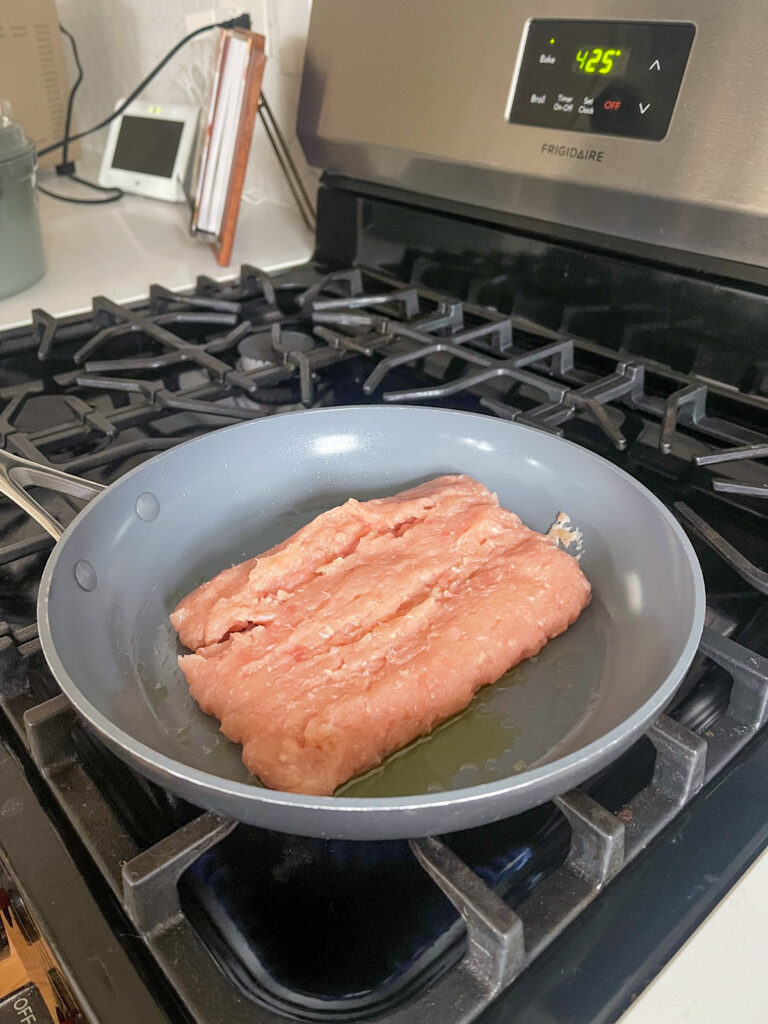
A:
[(16, 474)]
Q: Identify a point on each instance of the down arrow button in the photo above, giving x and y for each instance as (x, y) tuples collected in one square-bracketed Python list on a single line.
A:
[(644, 107)]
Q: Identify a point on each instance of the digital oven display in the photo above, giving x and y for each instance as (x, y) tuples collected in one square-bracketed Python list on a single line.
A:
[(608, 78), (599, 60)]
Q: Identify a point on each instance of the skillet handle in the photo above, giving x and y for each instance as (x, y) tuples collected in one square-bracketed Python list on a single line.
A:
[(16, 474)]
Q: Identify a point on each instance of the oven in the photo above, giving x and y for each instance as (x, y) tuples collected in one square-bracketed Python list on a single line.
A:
[(607, 277)]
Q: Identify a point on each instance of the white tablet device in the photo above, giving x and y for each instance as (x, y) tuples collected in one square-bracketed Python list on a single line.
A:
[(148, 149)]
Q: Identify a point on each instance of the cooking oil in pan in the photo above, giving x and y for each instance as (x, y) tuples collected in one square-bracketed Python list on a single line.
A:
[(430, 765), (532, 713)]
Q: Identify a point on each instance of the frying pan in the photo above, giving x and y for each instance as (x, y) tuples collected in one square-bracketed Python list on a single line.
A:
[(161, 529)]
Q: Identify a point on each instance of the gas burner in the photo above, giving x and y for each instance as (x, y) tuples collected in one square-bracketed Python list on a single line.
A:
[(284, 342), (255, 351), (258, 350)]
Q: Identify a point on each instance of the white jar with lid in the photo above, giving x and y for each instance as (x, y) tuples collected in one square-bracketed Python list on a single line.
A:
[(21, 243)]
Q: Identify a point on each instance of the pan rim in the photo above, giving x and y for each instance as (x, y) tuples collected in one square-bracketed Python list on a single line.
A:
[(156, 762)]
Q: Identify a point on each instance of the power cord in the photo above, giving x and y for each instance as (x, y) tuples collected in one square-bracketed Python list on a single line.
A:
[(66, 168), (117, 193)]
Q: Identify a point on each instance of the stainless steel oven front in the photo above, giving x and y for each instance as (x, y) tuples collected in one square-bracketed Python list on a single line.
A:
[(640, 123)]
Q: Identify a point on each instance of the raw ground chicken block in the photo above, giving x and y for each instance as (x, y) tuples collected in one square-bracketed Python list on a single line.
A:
[(370, 626)]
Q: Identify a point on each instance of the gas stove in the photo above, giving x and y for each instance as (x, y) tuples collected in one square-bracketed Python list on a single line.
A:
[(154, 910), (473, 251)]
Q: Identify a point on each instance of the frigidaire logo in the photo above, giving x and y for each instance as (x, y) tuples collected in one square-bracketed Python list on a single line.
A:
[(573, 152)]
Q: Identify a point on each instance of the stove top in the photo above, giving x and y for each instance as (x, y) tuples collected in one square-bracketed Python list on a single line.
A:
[(242, 924)]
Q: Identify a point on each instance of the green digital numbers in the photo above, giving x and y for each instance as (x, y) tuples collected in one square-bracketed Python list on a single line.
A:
[(607, 61), (595, 57), (594, 60)]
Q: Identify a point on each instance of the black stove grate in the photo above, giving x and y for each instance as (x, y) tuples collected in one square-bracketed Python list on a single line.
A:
[(313, 929)]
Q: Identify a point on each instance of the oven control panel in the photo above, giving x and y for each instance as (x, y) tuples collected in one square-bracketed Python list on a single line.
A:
[(607, 78)]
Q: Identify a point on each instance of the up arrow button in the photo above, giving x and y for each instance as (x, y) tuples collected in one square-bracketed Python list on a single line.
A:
[(655, 66), (644, 108)]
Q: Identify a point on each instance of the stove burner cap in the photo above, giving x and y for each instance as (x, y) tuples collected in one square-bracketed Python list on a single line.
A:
[(255, 351), (292, 341), (259, 350)]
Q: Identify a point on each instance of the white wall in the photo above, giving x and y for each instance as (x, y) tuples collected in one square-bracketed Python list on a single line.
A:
[(119, 41)]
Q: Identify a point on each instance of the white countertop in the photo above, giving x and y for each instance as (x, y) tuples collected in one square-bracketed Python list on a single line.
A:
[(720, 975), (119, 249)]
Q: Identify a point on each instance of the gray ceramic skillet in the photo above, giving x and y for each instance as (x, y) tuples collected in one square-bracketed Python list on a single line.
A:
[(142, 543)]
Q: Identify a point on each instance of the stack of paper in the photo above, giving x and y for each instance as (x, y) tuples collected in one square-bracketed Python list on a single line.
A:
[(225, 145)]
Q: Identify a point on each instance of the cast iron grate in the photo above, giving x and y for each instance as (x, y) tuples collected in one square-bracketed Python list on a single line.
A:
[(157, 373)]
